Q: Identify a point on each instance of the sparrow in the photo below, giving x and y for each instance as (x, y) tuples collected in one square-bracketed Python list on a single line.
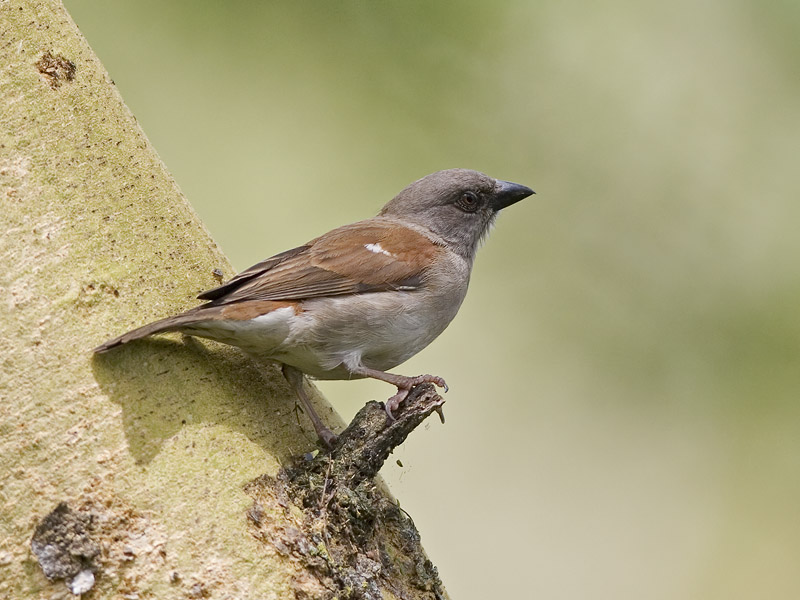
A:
[(360, 299)]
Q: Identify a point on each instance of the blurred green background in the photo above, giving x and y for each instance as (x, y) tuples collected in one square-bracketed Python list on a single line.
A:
[(623, 420)]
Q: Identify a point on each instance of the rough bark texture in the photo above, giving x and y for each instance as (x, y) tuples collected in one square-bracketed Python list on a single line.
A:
[(330, 516), (150, 472), (130, 469)]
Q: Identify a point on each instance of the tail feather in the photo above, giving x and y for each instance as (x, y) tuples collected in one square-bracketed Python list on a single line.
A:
[(175, 323)]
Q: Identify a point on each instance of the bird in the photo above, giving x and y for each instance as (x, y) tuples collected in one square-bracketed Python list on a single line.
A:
[(361, 299)]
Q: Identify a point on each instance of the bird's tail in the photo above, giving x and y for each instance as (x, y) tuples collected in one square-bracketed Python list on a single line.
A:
[(175, 323)]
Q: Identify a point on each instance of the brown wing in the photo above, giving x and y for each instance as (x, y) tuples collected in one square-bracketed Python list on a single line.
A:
[(368, 256), (248, 274)]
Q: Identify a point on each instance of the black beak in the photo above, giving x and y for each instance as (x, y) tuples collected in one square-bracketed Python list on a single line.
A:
[(508, 193)]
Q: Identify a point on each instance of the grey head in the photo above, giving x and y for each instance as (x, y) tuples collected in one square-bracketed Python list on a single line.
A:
[(458, 205)]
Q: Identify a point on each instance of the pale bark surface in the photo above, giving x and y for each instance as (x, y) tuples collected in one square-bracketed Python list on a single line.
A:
[(156, 442)]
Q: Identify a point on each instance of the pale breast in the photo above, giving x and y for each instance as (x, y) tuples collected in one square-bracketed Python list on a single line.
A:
[(378, 330)]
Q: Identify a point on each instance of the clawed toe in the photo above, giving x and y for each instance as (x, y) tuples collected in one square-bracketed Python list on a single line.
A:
[(393, 403), (434, 379), (328, 438)]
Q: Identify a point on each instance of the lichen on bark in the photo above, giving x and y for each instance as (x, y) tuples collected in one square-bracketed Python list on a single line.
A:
[(336, 522), (156, 443)]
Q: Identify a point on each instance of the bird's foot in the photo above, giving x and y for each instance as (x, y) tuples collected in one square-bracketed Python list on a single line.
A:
[(393, 403), (327, 437), (405, 385)]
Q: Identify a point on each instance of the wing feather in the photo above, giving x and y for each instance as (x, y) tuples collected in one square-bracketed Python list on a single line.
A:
[(369, 256), (248, 274)]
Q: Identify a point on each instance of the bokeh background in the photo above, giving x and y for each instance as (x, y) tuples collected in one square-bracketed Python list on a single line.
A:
[(623, 420)]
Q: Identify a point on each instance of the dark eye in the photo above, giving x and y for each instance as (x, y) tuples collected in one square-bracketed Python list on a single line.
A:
[(468, 202)]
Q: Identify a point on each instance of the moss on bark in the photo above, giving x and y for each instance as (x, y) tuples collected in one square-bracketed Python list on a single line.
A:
[(155, 442)]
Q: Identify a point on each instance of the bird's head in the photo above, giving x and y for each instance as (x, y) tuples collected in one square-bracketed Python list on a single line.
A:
[(458, 205)]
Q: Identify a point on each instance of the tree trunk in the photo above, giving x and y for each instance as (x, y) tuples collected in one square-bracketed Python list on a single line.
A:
[(133, 472)]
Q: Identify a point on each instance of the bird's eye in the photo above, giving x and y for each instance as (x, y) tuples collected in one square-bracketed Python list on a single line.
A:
[(468, 202)]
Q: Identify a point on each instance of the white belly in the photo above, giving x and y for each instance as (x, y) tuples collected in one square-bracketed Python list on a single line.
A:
[(329, 338), (378, 330)]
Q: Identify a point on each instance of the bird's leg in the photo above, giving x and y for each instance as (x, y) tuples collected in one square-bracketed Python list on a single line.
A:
[(404, 385), (295, 379)]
